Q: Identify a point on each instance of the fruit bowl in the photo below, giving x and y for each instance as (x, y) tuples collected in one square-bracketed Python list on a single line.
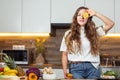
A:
[(49, 76), (5, 77), (110, 74), (107, 77), (48, 73)]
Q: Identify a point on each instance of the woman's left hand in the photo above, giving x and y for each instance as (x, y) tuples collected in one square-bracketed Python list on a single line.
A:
[(91, 12)]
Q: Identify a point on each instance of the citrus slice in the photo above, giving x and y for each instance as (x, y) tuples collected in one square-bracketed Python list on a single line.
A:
[(85, 15), (69, 75)]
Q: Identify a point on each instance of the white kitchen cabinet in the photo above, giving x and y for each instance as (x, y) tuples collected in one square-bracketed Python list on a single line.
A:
[(10, 15), (102, 6), (62, 11), (36, 16), (117, 16)]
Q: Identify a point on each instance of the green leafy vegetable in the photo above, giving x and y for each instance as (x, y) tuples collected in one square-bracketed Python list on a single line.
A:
[(111, 73)]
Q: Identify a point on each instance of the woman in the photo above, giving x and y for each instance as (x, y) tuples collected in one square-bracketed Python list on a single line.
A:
[(80, 44)]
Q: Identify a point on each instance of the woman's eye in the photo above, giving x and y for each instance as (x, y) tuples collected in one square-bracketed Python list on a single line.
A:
[(78, 15)]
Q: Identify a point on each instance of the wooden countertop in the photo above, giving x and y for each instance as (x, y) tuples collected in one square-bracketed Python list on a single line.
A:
[(55, 66)]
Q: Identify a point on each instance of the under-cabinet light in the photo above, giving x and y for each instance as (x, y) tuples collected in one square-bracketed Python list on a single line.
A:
[(24, 34), (113, 34)]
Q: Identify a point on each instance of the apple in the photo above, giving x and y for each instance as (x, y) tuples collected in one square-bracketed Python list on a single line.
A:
[(1, 69)]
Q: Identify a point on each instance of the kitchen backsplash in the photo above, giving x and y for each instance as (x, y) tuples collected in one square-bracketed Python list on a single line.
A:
[(52, 54), (110, 47), (110, 51)]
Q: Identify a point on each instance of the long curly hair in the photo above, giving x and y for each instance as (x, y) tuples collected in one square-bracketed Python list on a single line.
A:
[(74, 34)]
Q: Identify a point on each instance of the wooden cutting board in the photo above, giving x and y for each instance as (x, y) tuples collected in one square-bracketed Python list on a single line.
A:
[(13, 78)]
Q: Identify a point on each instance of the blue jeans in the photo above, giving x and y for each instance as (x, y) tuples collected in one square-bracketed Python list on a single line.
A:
[(84, 70)]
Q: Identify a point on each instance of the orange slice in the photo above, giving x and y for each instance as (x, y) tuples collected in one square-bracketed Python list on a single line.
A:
[(69, 75), (85, 15)]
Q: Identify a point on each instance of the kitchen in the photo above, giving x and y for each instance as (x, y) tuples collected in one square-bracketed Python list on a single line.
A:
[(39, 17)]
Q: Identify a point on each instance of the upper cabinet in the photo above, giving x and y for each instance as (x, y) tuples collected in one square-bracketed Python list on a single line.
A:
[(25, 16), (36, 16), (62, 11), (104, 7), (117, 15), (10, 15)]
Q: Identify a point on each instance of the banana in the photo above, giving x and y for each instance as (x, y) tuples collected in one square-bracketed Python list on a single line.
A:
[(11, 72), (1, 73)]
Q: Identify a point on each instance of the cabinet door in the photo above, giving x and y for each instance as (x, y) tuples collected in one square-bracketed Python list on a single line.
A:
[(62, 11), (102, 6), (117, 15), (36, 16), (10, 15)]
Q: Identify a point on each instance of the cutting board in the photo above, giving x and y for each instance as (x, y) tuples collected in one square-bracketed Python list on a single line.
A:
[(4, 77)]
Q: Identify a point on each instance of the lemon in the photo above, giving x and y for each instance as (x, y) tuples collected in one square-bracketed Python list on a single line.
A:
[(6, 68)]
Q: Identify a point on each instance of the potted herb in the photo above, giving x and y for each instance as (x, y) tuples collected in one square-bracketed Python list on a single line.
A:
[(40, 48)]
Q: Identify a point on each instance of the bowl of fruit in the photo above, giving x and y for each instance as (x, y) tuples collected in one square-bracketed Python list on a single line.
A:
[(9, 70), (48, 73), (109, 75)]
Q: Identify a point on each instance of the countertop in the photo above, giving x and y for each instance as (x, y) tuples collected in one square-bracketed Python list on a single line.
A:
[(84, 79), (55, 66)]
